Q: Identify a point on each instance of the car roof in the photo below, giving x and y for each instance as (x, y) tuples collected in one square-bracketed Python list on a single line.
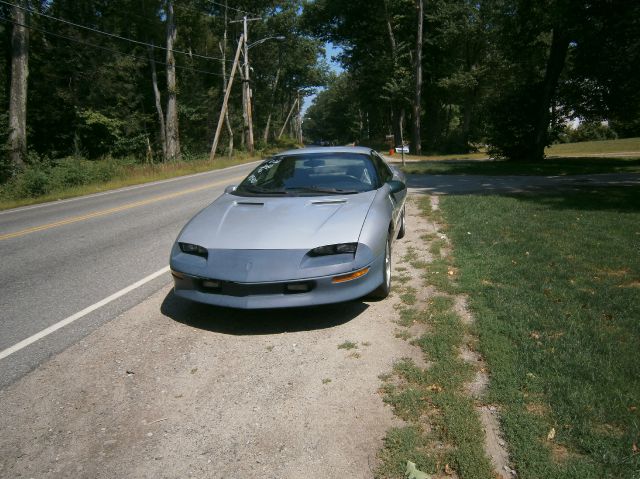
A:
[(327, 149)]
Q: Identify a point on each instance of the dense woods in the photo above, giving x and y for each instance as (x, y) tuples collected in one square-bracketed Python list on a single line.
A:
[(120, 78), (146, 79), (506, 73)]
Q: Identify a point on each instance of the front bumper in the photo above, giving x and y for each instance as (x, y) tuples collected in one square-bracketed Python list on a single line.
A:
[(278, 294)]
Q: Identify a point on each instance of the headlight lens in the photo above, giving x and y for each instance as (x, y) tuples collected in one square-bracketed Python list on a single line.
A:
[(341, 248), (194, 249)]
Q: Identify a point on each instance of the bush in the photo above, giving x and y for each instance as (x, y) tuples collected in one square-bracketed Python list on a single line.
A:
[(71, 172), (587, 131), (31, 183)]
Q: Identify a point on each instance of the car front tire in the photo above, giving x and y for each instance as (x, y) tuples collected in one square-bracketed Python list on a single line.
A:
[(383, 290), (402, 230)]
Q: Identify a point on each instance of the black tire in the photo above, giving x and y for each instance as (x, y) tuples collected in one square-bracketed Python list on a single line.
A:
[(383, 290), (402, 229)]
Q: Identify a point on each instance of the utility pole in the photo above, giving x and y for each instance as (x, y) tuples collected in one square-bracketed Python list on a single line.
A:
[(223, 111), (287, 119), (299, 125), (246, 90)]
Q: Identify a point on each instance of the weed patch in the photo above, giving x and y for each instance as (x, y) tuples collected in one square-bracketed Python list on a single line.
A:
[(444, 434), (348, 345)]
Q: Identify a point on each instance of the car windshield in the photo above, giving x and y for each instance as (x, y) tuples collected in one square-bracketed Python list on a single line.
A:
[(311, 174)]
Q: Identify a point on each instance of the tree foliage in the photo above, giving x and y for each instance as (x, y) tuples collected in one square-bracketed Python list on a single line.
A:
[(91, 94), (507, 73)]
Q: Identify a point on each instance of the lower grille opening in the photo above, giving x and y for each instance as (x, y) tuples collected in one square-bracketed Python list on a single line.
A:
[(231, 288)]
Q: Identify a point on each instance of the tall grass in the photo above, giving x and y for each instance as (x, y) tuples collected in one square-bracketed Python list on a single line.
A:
[(51, 180)]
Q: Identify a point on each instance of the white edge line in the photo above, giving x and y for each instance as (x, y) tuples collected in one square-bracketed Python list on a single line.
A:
[(120, 190), (60, 324)]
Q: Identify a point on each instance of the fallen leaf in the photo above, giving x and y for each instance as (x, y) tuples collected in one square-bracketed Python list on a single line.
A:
[(534, 335), (434, 387), (634, 448), (632, 408), (412, 472), (447, 469), (552, 434)]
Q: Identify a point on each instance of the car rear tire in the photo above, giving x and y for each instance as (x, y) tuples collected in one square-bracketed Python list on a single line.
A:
[(383, 290), (402, 229)]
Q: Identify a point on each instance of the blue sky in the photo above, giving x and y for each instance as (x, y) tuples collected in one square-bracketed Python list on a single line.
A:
[(331, 51)]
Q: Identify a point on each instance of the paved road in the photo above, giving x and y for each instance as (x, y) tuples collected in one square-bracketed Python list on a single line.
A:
[(482, 184), (60, 258)]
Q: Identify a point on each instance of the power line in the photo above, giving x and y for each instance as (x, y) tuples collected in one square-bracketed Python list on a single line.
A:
[(112, 35), (244, 12), (104, 48)]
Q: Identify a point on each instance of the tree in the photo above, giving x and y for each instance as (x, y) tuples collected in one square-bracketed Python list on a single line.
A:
[(417, 102), (171, 122), (18, 90)]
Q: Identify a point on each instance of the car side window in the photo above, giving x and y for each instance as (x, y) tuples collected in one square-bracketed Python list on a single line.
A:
[(384, 172)]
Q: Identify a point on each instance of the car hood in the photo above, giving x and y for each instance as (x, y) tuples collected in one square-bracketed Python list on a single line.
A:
[(237, 222)]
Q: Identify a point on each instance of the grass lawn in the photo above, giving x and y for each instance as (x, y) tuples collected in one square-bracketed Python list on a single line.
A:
[(566, 159), (554, 284)]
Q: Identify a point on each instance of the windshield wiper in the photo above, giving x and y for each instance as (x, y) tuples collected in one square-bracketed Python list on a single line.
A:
[(260, 191), (319, 189)]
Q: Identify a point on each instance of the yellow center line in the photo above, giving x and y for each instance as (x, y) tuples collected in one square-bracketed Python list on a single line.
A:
[(96, 214)]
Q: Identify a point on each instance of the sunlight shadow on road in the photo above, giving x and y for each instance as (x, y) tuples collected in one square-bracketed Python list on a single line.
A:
[(259, 322)]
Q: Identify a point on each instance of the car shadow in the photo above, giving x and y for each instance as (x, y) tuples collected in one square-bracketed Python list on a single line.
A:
[(258, 322)]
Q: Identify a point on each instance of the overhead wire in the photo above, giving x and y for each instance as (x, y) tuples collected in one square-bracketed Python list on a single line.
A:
[(112, 35), (105, 48), (234, 9)]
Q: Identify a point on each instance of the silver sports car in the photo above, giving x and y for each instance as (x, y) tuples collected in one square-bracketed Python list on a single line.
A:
[(306, 227)]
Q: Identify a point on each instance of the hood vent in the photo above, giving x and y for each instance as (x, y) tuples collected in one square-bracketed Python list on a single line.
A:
[(328, 202), (249, 203)]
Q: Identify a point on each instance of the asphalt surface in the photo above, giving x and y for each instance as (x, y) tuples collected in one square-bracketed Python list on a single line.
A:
[(481, 184), (62, 257)]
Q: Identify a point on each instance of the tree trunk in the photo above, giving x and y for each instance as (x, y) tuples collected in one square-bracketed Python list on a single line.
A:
[(287, 119), (158, 99), (173, 138), (18, 95), (265, 136), (395, 113), (555, 64), (417, 109)]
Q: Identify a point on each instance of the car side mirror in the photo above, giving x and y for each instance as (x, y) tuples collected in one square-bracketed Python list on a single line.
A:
[(396, 186), (230, 188)]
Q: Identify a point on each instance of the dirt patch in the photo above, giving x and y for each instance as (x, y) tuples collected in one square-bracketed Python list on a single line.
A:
[(171, 389), (494, 445)]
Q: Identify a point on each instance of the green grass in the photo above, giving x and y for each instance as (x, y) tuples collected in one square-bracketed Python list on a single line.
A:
[(549, 166), (554, 284), (562, 159), (455, 436), (348, 345), (435, 395), (119, 175), (625, 145)]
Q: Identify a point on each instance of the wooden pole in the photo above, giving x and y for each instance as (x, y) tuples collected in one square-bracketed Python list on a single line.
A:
[(212, 155), (287, 120)]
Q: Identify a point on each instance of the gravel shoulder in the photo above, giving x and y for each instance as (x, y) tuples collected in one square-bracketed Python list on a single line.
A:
[(172, 389)]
